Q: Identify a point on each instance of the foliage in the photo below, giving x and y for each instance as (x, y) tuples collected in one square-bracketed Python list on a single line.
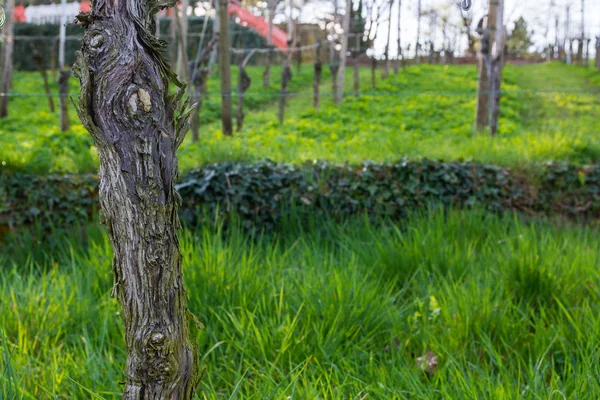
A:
[(263, 194), (520, 38), (333, 312)]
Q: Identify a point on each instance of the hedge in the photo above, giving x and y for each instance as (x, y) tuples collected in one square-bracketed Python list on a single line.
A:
[(261, 194)]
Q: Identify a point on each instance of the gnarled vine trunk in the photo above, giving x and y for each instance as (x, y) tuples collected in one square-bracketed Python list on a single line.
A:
[(137, 126)]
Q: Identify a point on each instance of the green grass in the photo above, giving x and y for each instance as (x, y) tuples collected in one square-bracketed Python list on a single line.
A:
[(337, 312), (31, 141), (549, 112)]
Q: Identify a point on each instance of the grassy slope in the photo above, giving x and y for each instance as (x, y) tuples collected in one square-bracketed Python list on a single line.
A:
[(426, 111), (338, 312), (31, 141)]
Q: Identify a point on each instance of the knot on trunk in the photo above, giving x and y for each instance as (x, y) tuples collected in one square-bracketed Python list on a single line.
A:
[(159, 362)]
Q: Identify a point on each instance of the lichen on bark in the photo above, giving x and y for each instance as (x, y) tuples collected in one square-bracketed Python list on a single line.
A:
[(137, 126)]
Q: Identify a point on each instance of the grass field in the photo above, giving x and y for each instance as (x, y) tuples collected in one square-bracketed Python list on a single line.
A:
[(509, 308), (549, 112)]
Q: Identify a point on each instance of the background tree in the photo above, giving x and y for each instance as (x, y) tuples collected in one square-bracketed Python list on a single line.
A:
[(225, 69), (137, 126), (7, 56), (520, 39)]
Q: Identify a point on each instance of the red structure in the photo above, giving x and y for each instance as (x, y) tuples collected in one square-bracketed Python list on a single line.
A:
[(19, 14), (257, 24)]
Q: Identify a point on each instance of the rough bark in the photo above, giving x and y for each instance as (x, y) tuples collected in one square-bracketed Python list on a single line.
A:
[(39, 59), (137, 126), (7, 56), (225, 70)]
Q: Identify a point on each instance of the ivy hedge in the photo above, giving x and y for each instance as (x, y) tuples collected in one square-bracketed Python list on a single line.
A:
[(263, 193)]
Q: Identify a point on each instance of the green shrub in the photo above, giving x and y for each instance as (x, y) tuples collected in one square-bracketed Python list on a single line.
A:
[(263, 194)]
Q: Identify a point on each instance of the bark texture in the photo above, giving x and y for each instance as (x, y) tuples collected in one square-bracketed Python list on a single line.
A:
[(137, 126)]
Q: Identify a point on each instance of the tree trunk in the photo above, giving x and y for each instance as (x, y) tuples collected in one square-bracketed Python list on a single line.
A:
[(373, 72), (497, 68), (598, 52), (485, 83), (333, 68), (225, 70), (317, 79), (63, 87), (244, 82), (199, 83), (418, 44), (63, 80), (398, 40), (267, 75), (7, 53), (386, 71), (39, 59), (355, 58), (339, 94), (182, 35), (137, 126), (286, 76)]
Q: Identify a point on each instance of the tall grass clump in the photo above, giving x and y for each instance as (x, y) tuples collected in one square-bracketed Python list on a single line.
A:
[(506, 308)]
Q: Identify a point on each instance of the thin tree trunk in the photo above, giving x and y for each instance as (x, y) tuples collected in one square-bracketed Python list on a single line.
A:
[(39, 59), (267, 75), (598, 52), (137, 126), (63, 85), (286, 76), (497, 68), (317, 79), (485, 82), (355, 58), (63, 81), (343, 54), (373, 72), (225, 70), (398, 40), (182, 33), (7, 53), (173, 39), (418, 44), (386, 71), (244, 82), (333, 68)]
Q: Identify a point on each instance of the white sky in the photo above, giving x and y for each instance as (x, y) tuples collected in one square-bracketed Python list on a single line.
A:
[(536, 12)]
